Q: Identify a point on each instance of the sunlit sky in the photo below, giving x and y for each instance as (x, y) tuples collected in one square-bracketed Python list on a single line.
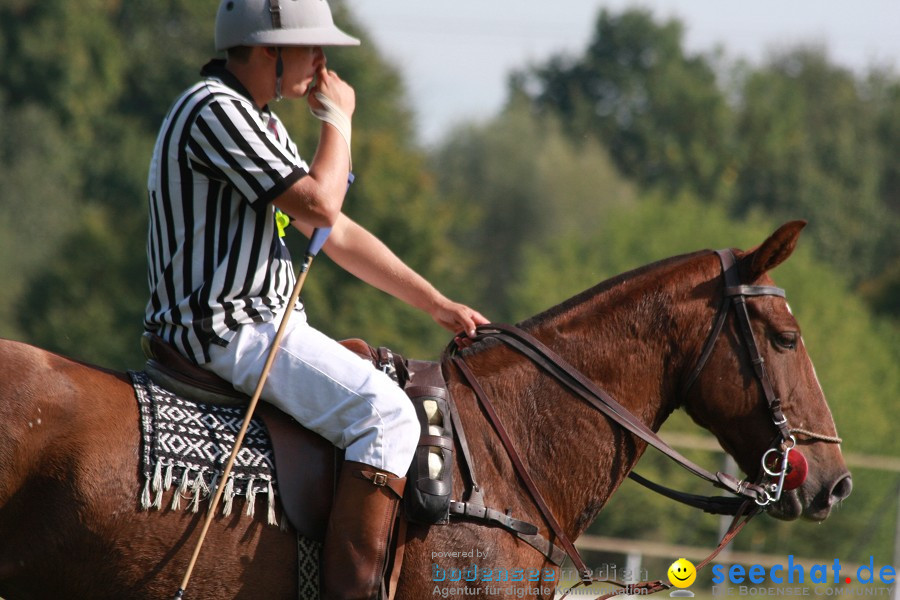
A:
[(456, 56)]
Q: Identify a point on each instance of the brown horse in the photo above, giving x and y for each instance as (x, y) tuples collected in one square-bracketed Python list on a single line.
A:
[(70, 518)]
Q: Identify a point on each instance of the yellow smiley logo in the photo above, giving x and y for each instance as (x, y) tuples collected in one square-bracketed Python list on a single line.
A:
[(682, 573)]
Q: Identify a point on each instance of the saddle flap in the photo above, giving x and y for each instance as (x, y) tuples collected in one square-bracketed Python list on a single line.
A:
[(307, 466)]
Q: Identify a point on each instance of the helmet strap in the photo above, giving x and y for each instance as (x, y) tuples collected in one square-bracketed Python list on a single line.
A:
[(275, 11), (279, 71)]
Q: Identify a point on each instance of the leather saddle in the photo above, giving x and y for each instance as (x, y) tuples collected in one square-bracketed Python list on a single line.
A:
[(307, 485)]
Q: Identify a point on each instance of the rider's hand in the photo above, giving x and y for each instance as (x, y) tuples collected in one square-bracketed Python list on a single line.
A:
[(335, 89), (457, 317)]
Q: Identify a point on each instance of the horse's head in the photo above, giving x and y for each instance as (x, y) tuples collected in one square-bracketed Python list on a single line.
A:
[(728, 396)]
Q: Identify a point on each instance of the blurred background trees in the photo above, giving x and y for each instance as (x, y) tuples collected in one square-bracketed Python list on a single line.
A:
[(631, 152)]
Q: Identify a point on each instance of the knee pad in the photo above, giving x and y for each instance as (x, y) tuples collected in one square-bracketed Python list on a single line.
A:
[(430, 477)]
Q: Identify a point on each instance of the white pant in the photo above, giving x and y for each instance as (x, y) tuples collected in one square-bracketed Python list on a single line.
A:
[(327, 388)]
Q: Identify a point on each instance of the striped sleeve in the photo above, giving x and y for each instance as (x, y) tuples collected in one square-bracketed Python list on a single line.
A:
[(229, 141)]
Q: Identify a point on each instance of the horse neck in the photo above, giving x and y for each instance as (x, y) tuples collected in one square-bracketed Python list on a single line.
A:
[(628, 337)]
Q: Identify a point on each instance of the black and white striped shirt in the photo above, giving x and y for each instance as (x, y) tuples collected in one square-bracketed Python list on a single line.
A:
[(215, 258)]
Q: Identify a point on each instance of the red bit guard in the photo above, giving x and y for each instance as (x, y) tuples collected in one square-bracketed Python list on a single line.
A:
[(797, 470)]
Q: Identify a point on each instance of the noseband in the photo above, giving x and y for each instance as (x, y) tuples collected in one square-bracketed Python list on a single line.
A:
[(775, 461)]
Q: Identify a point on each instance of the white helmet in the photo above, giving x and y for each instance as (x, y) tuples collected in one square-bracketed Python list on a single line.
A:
[(278, 23)]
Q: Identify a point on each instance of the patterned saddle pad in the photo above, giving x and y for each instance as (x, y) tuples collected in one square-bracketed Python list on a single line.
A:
[(186, 446)]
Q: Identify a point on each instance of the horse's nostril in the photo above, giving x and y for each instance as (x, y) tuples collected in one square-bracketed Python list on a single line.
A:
[(841, 489)]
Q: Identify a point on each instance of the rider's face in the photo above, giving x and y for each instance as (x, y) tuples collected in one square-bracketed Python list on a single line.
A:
[(300, 66)]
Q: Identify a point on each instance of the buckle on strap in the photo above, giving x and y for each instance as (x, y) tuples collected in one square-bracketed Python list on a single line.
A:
[(396, 485), (275, 12), (386, 363), (491, 515)]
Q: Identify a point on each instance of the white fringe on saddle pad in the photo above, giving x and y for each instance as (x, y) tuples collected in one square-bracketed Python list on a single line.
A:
[(187, 444)]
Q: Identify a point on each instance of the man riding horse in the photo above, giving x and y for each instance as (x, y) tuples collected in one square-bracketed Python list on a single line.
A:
[(225, 179)]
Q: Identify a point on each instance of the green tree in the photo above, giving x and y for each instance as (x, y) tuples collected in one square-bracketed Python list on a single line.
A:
[(518, 183), (657, 109), (796, 137), (885, 86), (36, 211), (86, 304), (65, 55), (882, 290), (809, 147)]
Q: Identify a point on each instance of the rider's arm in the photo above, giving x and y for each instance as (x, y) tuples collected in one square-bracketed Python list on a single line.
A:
[(318, 197), (362, 254)]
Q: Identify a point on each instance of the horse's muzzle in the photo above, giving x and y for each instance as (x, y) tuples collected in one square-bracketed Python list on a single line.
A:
[(829, 496), (841, 489)]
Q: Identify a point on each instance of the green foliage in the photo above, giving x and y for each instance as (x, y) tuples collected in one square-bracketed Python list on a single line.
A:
[(35, 210), (65, 54), (798, 136), (657, 110), (886, 88), (809, 146), (517, 184), (883, 291), (73, 306)]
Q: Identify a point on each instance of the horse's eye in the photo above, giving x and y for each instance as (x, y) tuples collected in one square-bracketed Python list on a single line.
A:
[(786, 339)]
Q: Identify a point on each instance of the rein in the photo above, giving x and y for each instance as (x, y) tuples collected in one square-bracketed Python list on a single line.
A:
[(752, 497)]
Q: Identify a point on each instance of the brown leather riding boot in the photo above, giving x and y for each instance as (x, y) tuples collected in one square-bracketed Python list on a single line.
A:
[(357, 541)]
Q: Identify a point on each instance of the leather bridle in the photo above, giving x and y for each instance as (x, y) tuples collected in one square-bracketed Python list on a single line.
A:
[(751, 497), (736, 294)]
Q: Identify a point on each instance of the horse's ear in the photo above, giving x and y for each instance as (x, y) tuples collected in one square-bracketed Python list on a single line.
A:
[(772, 252)]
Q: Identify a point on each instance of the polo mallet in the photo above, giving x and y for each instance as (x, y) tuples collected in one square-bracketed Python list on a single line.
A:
[(316, 241)]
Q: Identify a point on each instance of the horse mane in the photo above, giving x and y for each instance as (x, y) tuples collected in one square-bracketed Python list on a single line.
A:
[(591, 294)]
